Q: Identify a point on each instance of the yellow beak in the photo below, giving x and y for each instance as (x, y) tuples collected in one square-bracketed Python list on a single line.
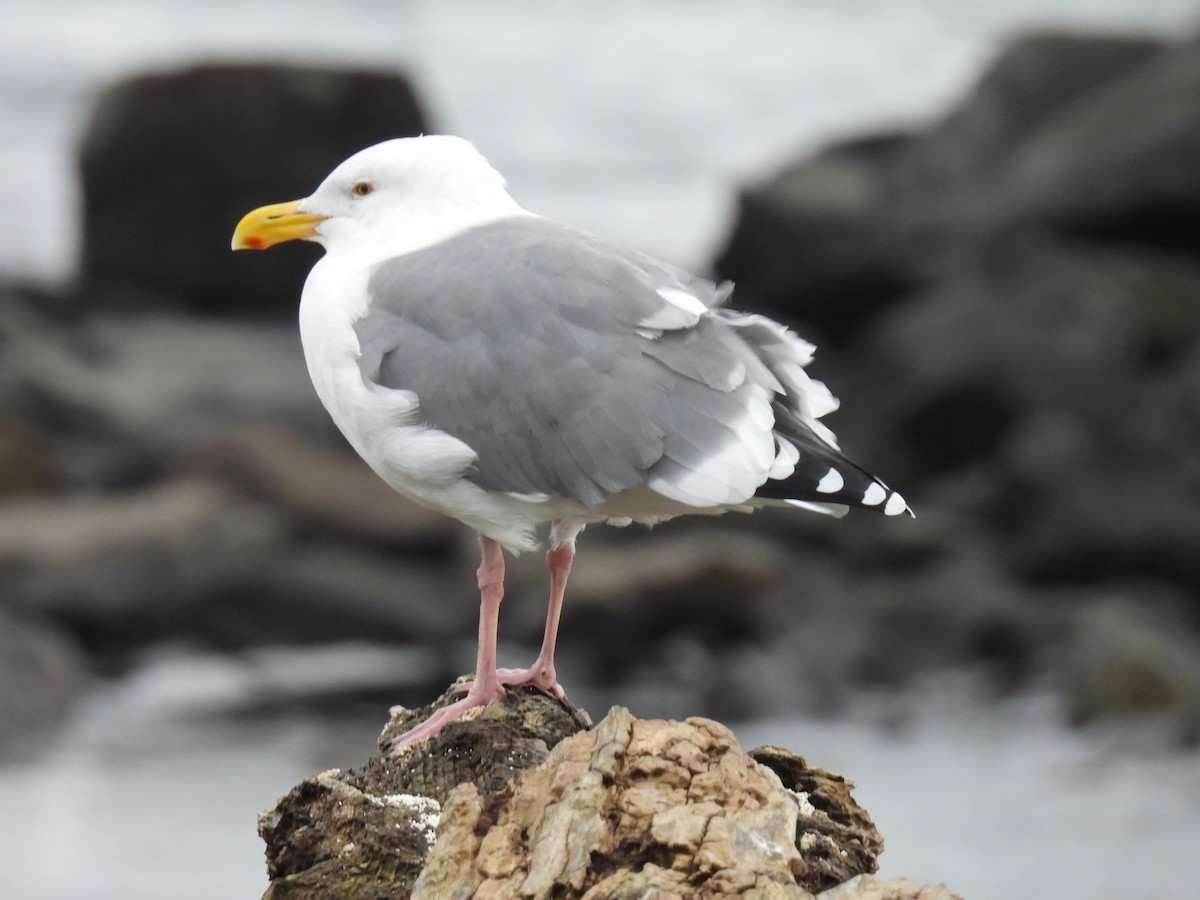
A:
[(270, 225)]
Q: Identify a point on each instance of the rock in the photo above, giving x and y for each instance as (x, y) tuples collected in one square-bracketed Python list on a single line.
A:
[(1115, 164), (170, 161), (1129, 659), (835, 835), (638, 588), (331, 493), (630, 806), (25, 466), (525, 800), (1007, 305), (119, 399), (320, 591), (1036, 81), (815, 244), (41, 675), (376, 824), (194, 559), (868, 887), (124, 561), (1022, 397), (1086, 136)]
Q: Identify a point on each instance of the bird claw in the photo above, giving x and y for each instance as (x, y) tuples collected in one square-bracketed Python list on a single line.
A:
[(517, 677), (474, 699), (440, 719)]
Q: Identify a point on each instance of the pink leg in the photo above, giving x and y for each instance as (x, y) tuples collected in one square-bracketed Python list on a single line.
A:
[(559, 558), (541, 673), (486, 687)]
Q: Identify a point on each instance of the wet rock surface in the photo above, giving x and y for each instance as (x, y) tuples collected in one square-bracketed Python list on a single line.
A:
[(526, 800)]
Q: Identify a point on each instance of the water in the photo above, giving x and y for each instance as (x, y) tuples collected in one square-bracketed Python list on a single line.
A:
[(634, 119), (637, 120)]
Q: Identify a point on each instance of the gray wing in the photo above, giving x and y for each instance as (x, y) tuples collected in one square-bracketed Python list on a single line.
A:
[(566, 363)]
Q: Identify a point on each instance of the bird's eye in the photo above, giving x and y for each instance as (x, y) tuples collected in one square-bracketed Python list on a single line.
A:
[(362, 188)]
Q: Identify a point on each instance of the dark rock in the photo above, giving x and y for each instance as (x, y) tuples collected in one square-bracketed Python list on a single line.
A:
[(1053, 376), (170, 162), (842, 841), (816, 245), (196, 561), (1088, 136), (1007, 305), (1117, 164), (857, 631), (1032, 84)]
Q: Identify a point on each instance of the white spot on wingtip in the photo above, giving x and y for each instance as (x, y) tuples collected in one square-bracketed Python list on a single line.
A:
[(895, 505), (831, 483), (874, 495)]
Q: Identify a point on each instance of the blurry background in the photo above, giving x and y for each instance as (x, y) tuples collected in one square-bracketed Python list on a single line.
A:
[(985, 214)]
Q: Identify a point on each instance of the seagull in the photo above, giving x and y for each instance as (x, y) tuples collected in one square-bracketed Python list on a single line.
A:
[(515, 373)]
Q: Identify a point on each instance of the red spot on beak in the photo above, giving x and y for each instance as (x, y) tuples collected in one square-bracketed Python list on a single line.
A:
[(254, 242)]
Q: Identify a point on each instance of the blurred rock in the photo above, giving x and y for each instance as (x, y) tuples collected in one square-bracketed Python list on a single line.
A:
[(170, 162), (1130, 660), (41, 674), (1009, 307), (100, 560), (328, 492), (1088, 136), (121, 399), (25, 466), (975, 171), (328, 591), (638, 587), (1038, 397), (1116, 162), (816, 245), (846, 634), (196, 561)]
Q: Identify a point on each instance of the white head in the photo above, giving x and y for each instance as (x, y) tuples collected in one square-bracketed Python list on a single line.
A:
[(394, 197)]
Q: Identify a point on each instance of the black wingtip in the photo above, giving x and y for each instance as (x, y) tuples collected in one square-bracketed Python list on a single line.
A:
[(826, 477)]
